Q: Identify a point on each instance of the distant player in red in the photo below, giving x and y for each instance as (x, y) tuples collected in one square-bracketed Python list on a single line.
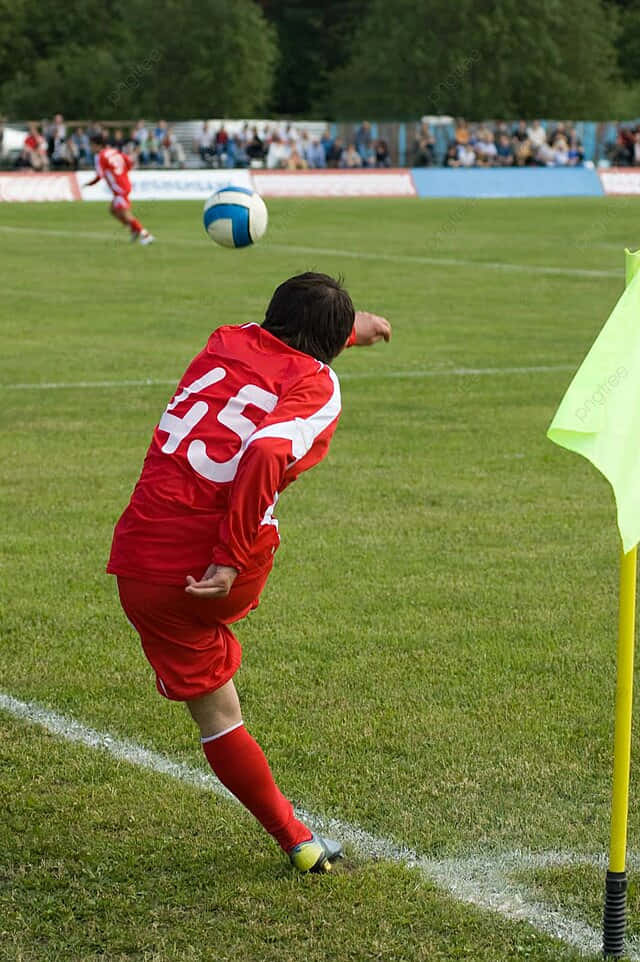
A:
[(194, 548), (114, 166)]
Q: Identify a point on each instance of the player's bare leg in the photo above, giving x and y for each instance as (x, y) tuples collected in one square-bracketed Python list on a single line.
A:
[(216, 712), (240, 764), (126, 218)]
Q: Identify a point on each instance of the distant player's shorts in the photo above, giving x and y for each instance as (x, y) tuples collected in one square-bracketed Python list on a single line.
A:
[(121, 202), (186, 639)]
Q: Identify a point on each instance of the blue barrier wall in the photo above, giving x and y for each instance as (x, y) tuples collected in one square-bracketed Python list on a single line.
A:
[(495, 182)]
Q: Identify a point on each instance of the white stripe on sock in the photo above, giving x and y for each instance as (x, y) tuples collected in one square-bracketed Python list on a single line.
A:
[(212, 738)]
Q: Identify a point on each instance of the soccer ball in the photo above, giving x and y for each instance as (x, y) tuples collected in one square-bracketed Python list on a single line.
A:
[(235, 216)]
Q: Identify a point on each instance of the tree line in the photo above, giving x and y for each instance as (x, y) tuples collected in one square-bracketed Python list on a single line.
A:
[(341, 59)]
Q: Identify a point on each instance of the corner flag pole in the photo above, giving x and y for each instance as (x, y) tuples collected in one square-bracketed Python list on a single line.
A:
[(615, 904)]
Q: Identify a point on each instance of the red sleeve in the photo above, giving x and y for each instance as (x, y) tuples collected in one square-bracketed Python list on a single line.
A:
[(292, 438), (129, 160)]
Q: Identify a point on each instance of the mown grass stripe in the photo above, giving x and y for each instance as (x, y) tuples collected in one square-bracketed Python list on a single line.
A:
[(478, 880), (268, 247)]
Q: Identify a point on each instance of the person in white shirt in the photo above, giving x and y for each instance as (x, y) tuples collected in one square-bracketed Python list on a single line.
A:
[(537, 135)]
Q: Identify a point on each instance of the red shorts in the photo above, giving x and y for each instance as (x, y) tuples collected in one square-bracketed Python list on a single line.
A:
[(120, 202), (186, 639)]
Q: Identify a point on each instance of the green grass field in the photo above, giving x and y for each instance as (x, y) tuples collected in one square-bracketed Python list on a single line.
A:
[(434, 657)]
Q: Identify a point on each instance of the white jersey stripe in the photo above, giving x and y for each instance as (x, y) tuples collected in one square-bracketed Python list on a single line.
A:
[(113, 184), (302, 432)]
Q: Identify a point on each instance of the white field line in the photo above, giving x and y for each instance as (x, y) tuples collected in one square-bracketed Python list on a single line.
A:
[(479, 880), (454, 262), (348, 376)]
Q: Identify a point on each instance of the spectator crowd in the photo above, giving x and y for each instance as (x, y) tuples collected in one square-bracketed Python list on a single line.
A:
[(53, 145), (285, 147), (498, 145)]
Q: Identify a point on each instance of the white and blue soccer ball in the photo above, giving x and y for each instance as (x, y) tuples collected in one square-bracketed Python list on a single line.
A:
[(235, 216)]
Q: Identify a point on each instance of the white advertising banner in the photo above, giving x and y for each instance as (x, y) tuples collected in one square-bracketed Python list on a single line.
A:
[(168, 184), (39, 187), (199, 184), (620, 181), (334, 183)]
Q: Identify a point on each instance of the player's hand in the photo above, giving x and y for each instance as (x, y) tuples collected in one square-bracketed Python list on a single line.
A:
[(216, 582), (371, 328)]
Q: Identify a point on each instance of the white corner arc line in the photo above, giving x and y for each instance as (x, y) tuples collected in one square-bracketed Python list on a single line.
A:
[(479, 880), (347, 376)]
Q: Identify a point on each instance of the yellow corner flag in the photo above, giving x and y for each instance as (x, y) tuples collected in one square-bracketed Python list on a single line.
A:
[(599, 416)]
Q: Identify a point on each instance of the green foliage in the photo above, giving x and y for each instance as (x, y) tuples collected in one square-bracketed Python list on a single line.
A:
[(480, 59), (172, 59), (314, 39)]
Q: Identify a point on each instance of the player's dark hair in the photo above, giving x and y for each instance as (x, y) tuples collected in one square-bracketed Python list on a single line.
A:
[(313, 313), (97, 139)]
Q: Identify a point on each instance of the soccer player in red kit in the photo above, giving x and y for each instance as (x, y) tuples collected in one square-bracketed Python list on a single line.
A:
[(114, 166), (194, 548)]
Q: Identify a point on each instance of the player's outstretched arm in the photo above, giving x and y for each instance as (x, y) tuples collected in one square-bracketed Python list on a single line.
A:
[(370, 328), (216, 582)]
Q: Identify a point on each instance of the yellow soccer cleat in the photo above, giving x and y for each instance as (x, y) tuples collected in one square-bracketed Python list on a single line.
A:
[(315, 855)]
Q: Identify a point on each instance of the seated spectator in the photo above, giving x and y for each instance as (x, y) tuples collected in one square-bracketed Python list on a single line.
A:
[(462, 134), (363, 143), (150, 149), (520, 133), (278, 153), (236, 153), (140, 136), (64, 155), (34, 151), (170, 147), (381, 154), (485, 149), (55, 134), (203, 144), (159, 134), (466, 155), (327, 142), (93, 130), (255, 148), (545, 157), (576, 151), (334, 157), (524, 156), (117, 139), (451, 156), (537, 135), (560, 152), (315, 155), (221, 141), (504, 150), (351, 158), (423, 146), (560, 130), (295, 160), (622, 151), (83, 150)]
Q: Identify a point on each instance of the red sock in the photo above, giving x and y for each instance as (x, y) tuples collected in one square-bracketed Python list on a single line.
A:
[(239, 763), (135, 226)]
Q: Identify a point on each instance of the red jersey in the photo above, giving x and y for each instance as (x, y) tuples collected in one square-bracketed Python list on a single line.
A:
[(248, 416), (115, 167)]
